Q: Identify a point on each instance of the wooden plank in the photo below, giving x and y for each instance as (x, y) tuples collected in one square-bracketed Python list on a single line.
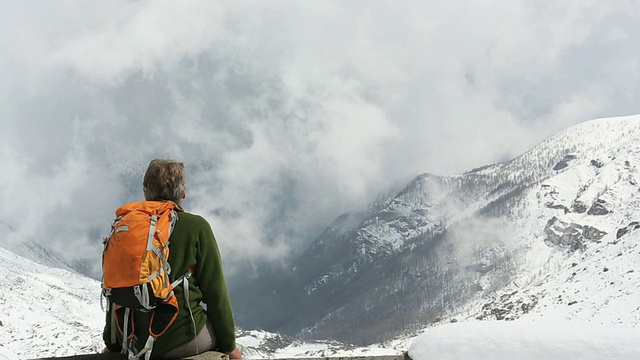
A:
[(403, 356), (213, 355), (117, 356), (209, 355)]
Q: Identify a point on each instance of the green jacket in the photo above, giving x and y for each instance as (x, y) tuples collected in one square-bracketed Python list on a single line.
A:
[(192, 245)]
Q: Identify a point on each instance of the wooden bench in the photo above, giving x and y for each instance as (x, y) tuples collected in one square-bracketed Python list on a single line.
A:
[(213, 355), (209, 355)]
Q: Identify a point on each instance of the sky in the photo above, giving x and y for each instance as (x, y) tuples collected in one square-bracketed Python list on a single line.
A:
[(286, 114)]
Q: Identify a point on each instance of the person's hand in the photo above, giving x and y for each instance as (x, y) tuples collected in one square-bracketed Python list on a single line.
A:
[(235, 354)]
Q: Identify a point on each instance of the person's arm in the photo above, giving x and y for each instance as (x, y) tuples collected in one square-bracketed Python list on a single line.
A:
[(211, 282)]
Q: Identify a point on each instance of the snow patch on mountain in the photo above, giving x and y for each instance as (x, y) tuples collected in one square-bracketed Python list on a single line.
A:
[(6, 354), (46, 312)]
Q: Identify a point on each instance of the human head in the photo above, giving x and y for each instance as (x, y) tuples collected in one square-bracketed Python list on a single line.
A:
[(165, 179)]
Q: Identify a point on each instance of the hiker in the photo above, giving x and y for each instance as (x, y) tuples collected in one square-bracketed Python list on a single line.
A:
[(206, 321)]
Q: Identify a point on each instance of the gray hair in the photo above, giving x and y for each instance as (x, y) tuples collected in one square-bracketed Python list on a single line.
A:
[(165, 179)]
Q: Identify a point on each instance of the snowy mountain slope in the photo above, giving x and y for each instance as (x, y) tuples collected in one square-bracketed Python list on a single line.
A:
[(433, 202), (6, 354), (445, 241), (47, 311), (594, 208), (601, 285), (589, 217)]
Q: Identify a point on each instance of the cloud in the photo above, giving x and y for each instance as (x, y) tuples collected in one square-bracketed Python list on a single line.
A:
[(287, 114)]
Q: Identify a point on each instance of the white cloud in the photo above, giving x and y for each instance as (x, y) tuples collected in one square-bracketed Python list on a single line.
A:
[(287, 114), (143, 37)]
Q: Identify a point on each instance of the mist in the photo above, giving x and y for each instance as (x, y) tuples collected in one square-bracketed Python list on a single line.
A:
[(287, 114)]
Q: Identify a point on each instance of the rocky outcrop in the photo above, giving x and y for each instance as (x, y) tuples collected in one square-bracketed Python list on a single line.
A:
[(600, 207), (571, 234), (564, 162), (597, 163), (507, 307), (622, 231), (579, 207), (592, 234)]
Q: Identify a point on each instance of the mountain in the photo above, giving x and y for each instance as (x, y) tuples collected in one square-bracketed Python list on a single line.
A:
[(474, 244), (47, 311)]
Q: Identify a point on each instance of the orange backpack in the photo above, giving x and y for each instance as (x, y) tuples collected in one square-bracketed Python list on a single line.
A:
[(136, 270)]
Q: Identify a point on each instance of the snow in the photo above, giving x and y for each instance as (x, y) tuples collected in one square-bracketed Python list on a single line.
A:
[(6, 354), (46, 311), (306, 350), (248, 341), (258, 344), (522, 340)]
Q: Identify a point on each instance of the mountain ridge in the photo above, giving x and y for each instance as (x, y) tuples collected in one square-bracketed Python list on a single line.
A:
[(446, 235)]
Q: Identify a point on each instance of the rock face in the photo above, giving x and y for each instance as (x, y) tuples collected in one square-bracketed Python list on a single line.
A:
[(634, 225), (507, 307), (599, 208), (444, 242), (565, 161), (571, 235)]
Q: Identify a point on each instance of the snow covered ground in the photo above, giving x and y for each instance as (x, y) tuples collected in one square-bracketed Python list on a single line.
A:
[(45, 311), (6, 354), (524, 339)]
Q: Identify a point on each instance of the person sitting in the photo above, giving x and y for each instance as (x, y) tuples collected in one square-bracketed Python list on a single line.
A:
[(206, 322)]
